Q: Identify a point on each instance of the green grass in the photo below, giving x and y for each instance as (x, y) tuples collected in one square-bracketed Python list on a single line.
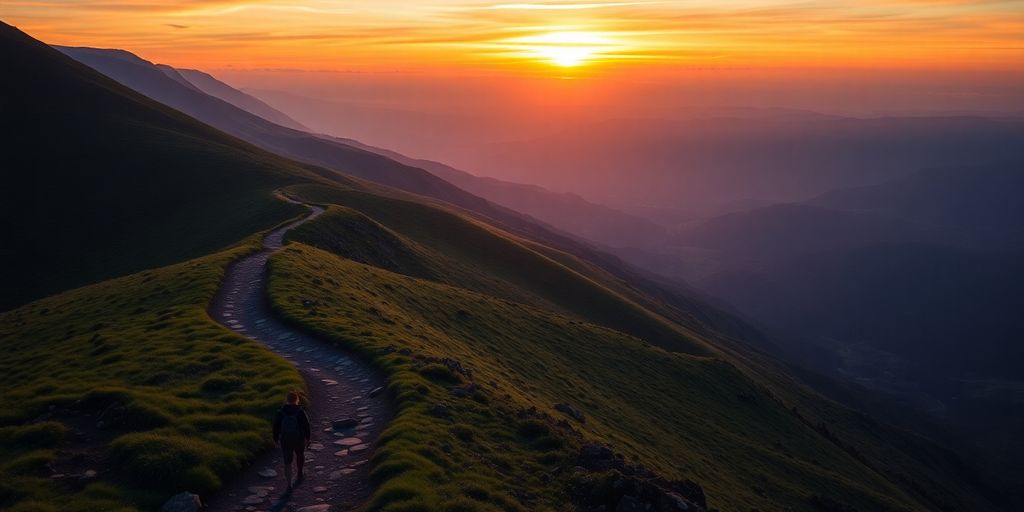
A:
[(685, 416), (195, 398), (469, 254)]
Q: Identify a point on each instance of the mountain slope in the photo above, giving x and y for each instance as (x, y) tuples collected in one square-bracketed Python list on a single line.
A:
[(563, 211), (567, 212), (703, 165), (100, 181), (146, 78), (210, 85), (980, 203)]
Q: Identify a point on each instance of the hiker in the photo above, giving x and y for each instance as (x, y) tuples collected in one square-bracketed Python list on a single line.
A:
[(292, 434)]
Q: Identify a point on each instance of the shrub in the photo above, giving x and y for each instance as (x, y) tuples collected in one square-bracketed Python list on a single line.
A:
[(37, 435), (158, 460), (440, 373)]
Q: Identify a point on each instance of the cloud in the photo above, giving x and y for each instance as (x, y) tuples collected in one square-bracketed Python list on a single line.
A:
[(175, 25)]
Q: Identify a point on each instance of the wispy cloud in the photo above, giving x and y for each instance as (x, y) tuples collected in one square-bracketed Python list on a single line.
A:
[(386, 33)]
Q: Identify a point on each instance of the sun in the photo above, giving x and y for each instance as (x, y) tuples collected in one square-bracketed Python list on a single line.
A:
[(565, 49)]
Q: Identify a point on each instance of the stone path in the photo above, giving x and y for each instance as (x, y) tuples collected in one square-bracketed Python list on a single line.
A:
[(348, 410)]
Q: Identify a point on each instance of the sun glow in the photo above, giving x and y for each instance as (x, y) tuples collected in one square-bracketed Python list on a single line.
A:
[(565, 49)]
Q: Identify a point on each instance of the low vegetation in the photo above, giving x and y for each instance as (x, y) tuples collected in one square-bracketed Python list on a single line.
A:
[(684, 416), (131, 379)]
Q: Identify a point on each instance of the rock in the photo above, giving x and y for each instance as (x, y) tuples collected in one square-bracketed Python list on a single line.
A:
[(572, 412), (348, 441), (596, 457), (267, 473), (261, 490), (464, 391), (316, 447), (375, 391), (629, 504), (254, 499), (323, 507), (438, 410), (336, 475), (345, 423), (341, 453), (182, 502), (359, 448), (89, 474), (319, 488)]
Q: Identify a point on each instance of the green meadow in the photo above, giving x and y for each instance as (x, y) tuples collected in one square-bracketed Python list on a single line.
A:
[(132, 379)]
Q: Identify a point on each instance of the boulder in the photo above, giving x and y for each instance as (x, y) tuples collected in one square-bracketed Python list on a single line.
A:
[(183, 502), (571, 411)]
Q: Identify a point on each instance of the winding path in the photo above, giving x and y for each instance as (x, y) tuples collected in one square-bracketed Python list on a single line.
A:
[(339, 385)]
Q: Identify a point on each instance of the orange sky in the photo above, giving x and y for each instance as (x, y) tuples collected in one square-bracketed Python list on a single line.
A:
[(537, 37)]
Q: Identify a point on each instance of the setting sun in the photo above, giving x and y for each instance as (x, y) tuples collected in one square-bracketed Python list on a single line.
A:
[(565, 48)]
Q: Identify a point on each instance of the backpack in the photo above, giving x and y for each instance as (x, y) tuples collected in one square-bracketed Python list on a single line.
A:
[(290, 427)]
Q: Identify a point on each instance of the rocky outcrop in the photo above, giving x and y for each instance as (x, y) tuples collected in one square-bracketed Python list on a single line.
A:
[(609, 484), (182, 502)]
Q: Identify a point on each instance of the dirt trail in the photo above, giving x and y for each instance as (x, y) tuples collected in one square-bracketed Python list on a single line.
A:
[(339, 384)]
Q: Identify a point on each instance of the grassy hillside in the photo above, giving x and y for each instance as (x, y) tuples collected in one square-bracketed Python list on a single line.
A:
[(471, 255), (454, 252), (683, 416), (130, 378), (100, 181)]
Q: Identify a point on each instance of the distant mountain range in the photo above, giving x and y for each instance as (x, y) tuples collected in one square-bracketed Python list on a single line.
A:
[(909, 287), (680, 169)]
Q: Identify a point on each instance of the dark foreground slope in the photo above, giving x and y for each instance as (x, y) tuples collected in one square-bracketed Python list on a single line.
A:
[(152, 81), (100, 181)]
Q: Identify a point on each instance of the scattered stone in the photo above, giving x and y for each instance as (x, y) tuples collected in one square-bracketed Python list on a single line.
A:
[(89, 474), (316, 447), (254, 499), (329, 382), (359, 448), (261, 490), (319, 488), (375, 391), (182, 502), (341, 453), (267, 473), (323, 507), (349, 441), (367, 419), (336, 475)]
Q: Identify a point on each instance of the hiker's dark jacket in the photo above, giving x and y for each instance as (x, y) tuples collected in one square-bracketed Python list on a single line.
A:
[(289, 409)]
